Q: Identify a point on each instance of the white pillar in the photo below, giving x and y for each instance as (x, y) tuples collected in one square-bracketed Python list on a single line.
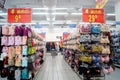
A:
[(117, 11)]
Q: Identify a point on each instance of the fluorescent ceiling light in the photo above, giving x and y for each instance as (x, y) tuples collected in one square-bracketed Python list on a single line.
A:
[(110, 14), (49, 8), (3, 14), (52, 13), (40, 8), (76, 13), (59, 8), (40, 13), (59, 13)]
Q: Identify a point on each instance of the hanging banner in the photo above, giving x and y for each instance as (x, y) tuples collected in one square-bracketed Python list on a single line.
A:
[(65, 35), (19, 15), (43, 35), (101, 3), (93, 15)]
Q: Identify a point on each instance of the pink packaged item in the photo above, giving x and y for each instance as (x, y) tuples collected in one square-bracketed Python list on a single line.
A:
[(18, 40), (11, 30), (18, 50), (39, 54), (5, 49), (4, 40), (24, 40), (11, 52), (18, 59), (11, 40), (85, 28), (5, 30), (37, 64)]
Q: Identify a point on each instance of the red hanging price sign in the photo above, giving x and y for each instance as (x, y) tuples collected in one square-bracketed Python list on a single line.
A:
[(19, 15), (93, 15)]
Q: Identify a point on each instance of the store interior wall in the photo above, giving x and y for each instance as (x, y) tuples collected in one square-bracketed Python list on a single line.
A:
[(53, 36)]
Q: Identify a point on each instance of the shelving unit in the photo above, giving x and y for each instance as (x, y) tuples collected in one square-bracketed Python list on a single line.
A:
[(86, 58), (22, 59), (115, 45)]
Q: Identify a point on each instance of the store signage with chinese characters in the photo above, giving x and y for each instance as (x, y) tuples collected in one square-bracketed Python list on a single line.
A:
[(43, 35), (93, 15), (19, 15)]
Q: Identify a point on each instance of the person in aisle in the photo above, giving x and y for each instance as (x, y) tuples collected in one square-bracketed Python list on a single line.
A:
[(57, 47), (51, 46)]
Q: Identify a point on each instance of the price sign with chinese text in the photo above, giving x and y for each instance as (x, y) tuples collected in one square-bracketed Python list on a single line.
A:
[(19, 15), (93, 15)]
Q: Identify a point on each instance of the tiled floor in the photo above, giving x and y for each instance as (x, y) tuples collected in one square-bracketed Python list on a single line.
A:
[(114, 75), (55, 68)]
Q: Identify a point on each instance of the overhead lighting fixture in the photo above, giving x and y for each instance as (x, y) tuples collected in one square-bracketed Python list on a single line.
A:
[(76, 13), (59, 13), (59, 8), (48, 13), (49, 8), (3, 14), (40, 8), (110, 14), (40, 13)]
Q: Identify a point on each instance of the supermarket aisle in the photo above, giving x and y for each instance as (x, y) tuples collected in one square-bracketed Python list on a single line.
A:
[(55, 68)]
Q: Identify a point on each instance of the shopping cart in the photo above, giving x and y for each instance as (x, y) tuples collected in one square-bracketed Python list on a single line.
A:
[(54, 52)]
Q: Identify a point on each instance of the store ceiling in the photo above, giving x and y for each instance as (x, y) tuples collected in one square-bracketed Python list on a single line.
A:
[(60, 13)]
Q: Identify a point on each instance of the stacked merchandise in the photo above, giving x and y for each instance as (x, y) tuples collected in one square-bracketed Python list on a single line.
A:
[(115, 44), (17, 54), (71, 42), (71, 51), (39, 47), (94, 56)]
